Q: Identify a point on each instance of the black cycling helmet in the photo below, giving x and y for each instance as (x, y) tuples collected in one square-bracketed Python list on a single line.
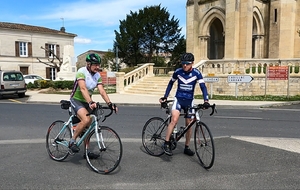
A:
[(93, 58), (187, 57)]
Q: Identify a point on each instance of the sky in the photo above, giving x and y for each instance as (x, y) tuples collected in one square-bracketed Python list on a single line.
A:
[(93, 21)]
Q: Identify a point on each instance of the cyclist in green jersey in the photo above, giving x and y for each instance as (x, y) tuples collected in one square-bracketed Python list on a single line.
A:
[(87, 79)]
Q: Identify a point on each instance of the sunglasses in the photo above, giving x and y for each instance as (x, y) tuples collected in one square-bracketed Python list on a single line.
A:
[(186, 62)]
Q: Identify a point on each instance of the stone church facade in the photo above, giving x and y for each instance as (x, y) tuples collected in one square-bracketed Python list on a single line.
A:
[(243, 29)]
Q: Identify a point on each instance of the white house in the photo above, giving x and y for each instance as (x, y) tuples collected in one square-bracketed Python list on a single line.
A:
[(20, 48)]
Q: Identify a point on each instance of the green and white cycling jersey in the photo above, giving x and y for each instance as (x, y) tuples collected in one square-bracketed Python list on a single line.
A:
[(91, 82)]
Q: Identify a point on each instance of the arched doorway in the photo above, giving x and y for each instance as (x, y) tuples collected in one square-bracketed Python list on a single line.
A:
[(216, 41)]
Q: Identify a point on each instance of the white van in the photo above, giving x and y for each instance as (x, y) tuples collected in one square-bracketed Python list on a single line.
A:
[(12, 82)]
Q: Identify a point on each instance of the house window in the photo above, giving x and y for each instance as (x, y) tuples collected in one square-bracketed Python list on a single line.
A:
[(23, 49), (52, 50)]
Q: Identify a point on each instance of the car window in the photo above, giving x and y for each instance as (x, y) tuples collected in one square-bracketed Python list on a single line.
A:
[(38, 77), (19, 77), (12, 77)]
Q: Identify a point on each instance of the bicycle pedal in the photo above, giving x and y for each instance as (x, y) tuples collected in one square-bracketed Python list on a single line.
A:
[(71, 152)]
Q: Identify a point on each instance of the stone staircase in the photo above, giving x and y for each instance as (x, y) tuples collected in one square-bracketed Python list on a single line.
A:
[(151, 85)]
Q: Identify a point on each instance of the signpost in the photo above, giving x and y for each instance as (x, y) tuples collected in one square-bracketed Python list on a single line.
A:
[(278, 73), (211, 80), (239, 79)]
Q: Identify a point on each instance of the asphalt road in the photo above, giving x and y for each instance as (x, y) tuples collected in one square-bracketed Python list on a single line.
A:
[(239, 164)]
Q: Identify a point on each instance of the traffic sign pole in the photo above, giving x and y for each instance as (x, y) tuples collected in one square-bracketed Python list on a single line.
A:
[(239, 79)]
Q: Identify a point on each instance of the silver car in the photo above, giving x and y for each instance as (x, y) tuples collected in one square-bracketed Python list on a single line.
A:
[(12, 82)]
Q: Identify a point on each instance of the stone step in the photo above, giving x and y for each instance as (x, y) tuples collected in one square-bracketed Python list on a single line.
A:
[(151, 85)]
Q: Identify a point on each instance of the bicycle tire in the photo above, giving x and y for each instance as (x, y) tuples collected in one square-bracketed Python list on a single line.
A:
[(153, 141), (204, 145), (109, 158), (56, 151)]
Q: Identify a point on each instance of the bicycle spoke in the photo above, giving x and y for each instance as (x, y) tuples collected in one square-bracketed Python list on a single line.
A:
[(106, 157), (153, 136), (57, 141), (204, 145)]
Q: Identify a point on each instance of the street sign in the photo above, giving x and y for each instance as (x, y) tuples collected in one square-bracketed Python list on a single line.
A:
[(211, 79), (211, 74), (239, 78), (278, 73), (236, 72)]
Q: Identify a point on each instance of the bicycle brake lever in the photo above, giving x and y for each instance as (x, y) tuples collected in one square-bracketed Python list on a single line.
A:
[(213, 109)]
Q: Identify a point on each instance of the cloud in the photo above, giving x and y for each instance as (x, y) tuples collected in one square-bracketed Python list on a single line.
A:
[(100, 12), (80, 40)]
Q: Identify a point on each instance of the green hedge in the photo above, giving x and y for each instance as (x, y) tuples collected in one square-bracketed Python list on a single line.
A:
[(40, 84)]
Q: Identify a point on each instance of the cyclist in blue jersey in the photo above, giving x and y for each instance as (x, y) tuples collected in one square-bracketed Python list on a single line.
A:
[(187, 78), (87, 79)]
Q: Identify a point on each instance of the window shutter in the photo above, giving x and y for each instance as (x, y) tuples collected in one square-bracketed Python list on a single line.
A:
[(57, 51), (46, 52), (29, 49), (17, 47)]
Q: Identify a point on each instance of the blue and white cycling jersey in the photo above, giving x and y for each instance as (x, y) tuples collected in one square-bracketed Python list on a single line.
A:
[(186, 84)]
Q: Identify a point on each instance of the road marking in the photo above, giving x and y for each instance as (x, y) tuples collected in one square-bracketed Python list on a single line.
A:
[(227, 117), (14, 100), (289, 144)]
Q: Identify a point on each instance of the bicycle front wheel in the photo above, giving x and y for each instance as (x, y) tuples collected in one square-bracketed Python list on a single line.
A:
[(57, 140), (204, 145), (103, 153), (154, 135)]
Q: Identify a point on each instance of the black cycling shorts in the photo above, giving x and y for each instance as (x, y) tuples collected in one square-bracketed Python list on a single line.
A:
[(77, 105)]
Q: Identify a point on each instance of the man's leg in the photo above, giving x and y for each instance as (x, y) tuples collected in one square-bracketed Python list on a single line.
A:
[(167, 146), (84, 121), (188, 136)]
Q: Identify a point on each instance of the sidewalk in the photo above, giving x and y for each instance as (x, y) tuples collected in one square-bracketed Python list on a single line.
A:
[(146, 100)]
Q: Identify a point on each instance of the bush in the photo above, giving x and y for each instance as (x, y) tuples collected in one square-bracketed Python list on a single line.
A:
[(41, 84), (63, 84)]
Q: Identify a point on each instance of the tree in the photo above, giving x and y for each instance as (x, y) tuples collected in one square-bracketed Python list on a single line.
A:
[(53, 61), (179, 49), (146, 34)]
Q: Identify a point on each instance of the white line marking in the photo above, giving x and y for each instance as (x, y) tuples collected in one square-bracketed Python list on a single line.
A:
[(227, 117)]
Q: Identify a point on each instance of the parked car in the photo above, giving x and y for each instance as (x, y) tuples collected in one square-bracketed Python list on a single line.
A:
[(12, 82), (32, 77)]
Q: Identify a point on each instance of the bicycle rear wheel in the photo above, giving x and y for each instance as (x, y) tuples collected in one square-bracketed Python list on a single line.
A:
[(106, 154), (57, 143), (154, 135), (204, 145)]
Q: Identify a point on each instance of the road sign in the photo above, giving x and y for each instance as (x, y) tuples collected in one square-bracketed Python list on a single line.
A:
[(211, 74), (211, 79), (239, 78), (278, 73)]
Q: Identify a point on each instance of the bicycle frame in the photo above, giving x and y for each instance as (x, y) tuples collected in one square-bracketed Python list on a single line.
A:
[(195, 118), (94, 125)]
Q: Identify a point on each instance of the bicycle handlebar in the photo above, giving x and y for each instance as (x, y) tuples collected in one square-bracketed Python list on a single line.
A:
[(165, 104), (99, 106), (202, 106)]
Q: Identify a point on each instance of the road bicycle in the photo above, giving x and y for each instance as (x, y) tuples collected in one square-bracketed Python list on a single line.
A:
[(103, 147), (154, 133)]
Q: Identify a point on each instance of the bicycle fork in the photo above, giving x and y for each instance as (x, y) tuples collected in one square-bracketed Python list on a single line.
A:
[(100, 141)]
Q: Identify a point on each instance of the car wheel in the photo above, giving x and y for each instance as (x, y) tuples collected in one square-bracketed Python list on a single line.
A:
[(21, 95)]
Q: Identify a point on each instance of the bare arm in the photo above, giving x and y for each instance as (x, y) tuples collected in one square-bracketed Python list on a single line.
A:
[(103, 93)]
